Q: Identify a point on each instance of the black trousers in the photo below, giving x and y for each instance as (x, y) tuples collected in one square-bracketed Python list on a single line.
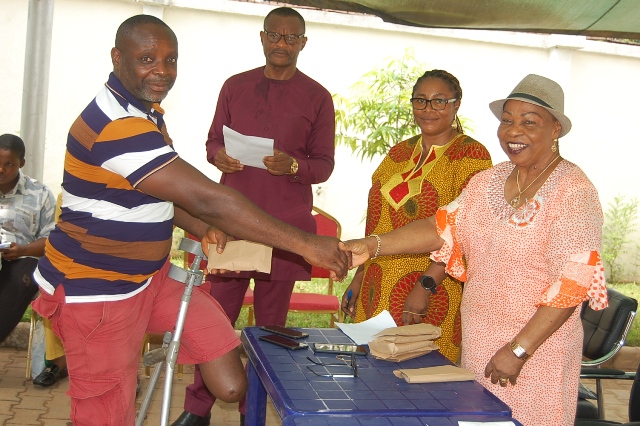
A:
[(17, 289)]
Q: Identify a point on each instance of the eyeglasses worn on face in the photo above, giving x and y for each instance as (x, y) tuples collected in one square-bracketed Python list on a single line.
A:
[(437, 104), (290, 39)]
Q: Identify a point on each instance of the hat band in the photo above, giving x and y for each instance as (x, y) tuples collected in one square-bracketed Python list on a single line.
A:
[(530, 97)]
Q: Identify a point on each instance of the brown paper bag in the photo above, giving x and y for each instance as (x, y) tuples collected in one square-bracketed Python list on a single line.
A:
[(392, 348), (241, 255), (442, 373), (397, 357), (411, 332)]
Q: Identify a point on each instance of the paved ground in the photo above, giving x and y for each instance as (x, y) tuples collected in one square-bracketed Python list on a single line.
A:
[(21, 403)]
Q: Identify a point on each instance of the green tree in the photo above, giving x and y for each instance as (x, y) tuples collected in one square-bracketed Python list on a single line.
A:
[(378, 114), (619, 223)]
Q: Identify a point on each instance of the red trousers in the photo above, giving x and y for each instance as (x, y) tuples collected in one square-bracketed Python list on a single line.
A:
[(102, 342)]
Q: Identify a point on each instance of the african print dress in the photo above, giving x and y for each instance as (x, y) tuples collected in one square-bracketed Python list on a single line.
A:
[(400, 194), (544, 253)]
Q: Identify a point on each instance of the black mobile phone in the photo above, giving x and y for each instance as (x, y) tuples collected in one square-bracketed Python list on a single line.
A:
[(284, 331), (284, 342), (332, 348)]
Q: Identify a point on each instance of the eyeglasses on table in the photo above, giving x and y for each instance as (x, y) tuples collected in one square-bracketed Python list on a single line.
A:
[(347, 361)]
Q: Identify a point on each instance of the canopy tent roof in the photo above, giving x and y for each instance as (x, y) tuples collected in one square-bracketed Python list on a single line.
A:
[(593, 18)]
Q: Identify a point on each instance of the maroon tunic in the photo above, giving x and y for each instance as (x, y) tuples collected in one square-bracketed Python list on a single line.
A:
[(298, 115)]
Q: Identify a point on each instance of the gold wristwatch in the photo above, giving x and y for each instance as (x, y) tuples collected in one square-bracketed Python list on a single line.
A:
[(519, 351), (294, 167)]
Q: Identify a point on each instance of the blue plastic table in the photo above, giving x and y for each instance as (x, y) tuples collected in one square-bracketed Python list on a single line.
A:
[(296, 391), (344, 420)]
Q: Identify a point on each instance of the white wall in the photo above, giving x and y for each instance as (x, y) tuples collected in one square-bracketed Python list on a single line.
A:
[(601, 89)]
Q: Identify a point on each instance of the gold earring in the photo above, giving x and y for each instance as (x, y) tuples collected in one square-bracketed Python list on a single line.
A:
[(554, 147)]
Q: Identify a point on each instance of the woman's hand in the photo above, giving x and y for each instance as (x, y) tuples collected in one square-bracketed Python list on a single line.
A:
[(416, 305), (504, 367), (360, 250), (348, 305)]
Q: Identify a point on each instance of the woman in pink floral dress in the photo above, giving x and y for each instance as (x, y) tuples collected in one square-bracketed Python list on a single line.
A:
[(524, 236)]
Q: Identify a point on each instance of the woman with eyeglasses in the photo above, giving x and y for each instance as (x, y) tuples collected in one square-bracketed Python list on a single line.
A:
[(525, 237), (416, 177)]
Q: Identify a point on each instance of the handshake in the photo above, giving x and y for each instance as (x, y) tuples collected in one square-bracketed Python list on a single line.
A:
[(340, 256), (417, 237)]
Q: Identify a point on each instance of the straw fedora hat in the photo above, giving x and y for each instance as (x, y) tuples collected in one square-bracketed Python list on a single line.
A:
[(540, 91)]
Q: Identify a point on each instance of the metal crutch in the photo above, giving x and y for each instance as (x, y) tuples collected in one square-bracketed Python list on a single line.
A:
[(168, 353)]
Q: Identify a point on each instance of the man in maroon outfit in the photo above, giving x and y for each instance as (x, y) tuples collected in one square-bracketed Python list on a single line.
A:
[(279, 102)]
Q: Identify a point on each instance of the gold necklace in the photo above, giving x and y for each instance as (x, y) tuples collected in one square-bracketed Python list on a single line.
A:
[(516, 200)]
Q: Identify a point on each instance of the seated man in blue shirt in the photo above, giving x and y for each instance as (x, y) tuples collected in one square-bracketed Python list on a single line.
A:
[(26, 217)]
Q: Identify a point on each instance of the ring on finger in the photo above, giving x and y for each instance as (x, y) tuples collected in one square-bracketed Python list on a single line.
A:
[(503, 381)]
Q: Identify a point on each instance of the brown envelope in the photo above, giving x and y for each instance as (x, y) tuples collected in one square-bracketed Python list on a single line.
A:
[(443, 373), (241, 255), (404, 342), (391, 348), (397, 357), (413, 331)]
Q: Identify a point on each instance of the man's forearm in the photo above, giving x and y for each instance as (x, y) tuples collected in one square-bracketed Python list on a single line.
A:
[(190, 224), (35, 248)]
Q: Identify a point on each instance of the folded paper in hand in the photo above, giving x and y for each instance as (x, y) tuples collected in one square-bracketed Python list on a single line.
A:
[(405, 342), (241, 255), (441, 373)]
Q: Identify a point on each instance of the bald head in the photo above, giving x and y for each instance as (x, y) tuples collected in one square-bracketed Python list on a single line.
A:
[(127, 28)]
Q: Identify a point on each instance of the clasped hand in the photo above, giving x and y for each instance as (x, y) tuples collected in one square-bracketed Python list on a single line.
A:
[(277, 164)]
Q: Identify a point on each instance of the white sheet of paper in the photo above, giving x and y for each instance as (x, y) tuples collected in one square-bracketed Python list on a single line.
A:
[(363, 332), (250, 150), (506, 423)]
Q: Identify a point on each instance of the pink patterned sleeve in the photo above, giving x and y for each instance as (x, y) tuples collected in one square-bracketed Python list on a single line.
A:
[(582, 279), (450, 253), (573, 253)]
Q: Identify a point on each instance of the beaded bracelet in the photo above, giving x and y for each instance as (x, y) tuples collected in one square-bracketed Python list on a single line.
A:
[(379, 244)]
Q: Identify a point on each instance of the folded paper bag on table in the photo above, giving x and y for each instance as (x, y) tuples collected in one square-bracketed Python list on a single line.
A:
[(391, 348), (410, 333), (405, 342), (442, 373), (241, 255), (400, 356)]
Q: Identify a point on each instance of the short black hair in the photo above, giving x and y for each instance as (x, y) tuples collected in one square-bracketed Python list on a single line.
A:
[(12, 143), (126, 28), (287, 12)]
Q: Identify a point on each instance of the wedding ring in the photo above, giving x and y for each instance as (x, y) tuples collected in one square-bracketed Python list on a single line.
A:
[(503, 381)]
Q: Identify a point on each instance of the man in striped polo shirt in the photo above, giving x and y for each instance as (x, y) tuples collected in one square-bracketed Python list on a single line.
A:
[(103, 279)]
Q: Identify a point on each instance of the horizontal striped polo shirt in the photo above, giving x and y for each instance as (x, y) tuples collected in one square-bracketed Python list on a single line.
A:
[(110, 238)]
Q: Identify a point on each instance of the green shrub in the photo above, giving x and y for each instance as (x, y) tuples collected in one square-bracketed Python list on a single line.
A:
[(620, 221)]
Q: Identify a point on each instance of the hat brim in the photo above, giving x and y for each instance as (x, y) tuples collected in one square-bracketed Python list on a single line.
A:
[(497, 107)]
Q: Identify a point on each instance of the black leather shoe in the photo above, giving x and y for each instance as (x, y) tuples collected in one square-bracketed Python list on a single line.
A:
[(188, 419), (50, 376)]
